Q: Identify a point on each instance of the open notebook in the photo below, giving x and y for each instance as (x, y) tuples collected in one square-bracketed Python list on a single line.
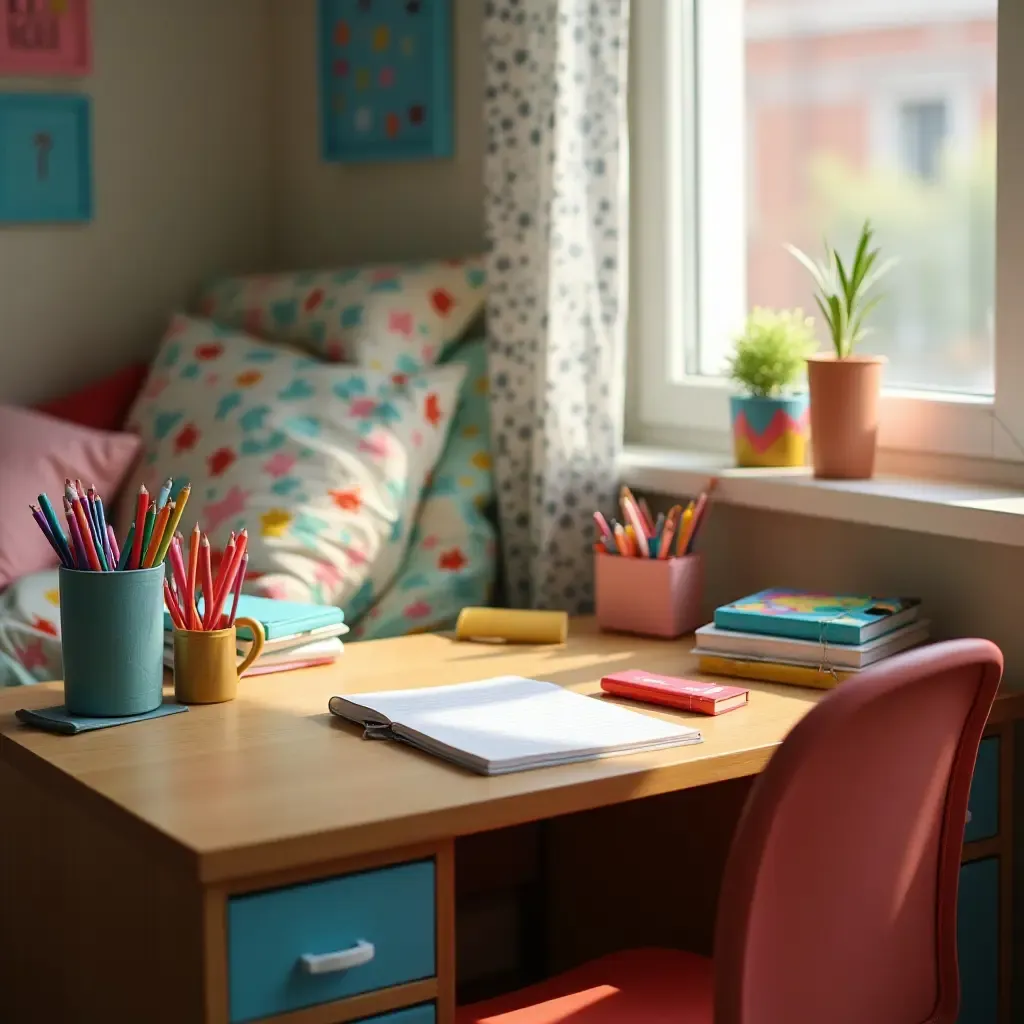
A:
[(508, 724)]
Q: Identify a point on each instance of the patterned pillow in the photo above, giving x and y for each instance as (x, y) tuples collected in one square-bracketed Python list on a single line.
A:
[(324, 464), (30, 630), (452, 561), (396, 319)]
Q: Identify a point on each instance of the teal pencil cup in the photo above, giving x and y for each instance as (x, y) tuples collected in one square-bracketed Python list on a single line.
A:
[(112, 637)]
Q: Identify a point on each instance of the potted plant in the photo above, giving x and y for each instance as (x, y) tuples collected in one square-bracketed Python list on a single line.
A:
[(845, 387), (769, 421)]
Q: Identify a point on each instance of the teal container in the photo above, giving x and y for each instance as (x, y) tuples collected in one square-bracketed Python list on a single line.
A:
[(112, 636)]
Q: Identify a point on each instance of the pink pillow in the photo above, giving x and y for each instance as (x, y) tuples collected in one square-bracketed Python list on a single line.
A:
[(37, 453)]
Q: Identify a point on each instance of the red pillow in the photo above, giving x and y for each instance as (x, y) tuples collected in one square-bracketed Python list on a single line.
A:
[(103, 405)]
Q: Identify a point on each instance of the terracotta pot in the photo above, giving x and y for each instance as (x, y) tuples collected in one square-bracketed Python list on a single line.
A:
[(844, 414)]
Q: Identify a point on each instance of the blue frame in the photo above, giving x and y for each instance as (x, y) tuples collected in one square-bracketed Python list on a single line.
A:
[(356, 103), (51, 185)]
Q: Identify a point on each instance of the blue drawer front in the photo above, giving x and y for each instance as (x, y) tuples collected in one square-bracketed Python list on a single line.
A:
[(977, 941), (417, 1015), (984, 800), (269, 932)]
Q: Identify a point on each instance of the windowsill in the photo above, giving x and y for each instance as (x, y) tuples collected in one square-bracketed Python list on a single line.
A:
[(978, 512)]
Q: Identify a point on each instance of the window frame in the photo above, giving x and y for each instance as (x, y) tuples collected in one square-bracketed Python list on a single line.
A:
[(670, 165)]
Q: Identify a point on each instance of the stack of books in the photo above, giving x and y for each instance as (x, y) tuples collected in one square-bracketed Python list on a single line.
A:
[(807, 639), (297, 635)]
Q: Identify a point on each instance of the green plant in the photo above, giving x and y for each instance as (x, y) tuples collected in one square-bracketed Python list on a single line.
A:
[(770, 354), (842, 293)]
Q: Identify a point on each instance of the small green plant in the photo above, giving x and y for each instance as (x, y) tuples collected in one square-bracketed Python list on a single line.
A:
[(842, 293), (771, 353)]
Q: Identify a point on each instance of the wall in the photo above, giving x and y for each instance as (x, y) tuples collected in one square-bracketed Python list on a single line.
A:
[(182, 179), (335, 214)]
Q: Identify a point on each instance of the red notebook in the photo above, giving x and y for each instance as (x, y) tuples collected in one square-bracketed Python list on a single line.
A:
[(687, 694)]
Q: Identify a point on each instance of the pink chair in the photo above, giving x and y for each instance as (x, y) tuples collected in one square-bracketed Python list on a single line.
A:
[(838, 904)]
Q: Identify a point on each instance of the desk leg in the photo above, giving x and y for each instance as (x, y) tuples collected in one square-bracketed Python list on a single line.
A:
[(445, 868)]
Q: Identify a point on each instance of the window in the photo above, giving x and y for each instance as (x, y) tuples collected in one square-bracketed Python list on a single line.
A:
[(761, 122), (922, 139)]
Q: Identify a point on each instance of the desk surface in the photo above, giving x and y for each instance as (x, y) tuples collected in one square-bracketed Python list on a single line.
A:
[(272, 780)]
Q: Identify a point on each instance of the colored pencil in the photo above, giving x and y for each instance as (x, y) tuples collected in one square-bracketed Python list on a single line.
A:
[(621, 540), (636, 520), (227, 577), (147, 533), (43, 525), (115, 551), (683, 533), (78, 508), (193, 572), (58, 534), (172, 607), (239, 580), (225, 564), (178, 565), (101, 522), (652, 527), (126, 552), (178, 568), (157, 536), (164, 495), (205, 566), (81, 558), (172, 527), (699, 515), (99, 533), (180, 601), (668, 532), (142, 506)]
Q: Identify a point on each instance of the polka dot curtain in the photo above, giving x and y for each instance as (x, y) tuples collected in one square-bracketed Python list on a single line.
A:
[(557, 217)]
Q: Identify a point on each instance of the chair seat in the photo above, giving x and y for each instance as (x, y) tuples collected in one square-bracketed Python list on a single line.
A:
[(641, 986)]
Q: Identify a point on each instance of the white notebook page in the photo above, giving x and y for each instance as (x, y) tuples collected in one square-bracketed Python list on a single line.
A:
[(514, 720)]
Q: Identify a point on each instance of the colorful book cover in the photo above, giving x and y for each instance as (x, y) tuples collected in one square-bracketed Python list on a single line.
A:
[(826, 618), (772, 672)]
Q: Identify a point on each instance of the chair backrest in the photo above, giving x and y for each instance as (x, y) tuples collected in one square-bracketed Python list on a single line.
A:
[(838, 903)]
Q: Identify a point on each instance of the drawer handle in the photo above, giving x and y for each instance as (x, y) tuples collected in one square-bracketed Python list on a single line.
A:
[(969, 816), (341, 960)]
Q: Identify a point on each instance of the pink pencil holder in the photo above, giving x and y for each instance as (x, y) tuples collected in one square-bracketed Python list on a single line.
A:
[(649, 596)]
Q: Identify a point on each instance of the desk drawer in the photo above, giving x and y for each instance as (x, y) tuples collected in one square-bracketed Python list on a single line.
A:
[(269, 934), (417, 1015), (983, 805)]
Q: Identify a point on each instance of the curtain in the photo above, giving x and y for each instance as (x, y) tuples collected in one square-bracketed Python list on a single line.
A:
[(557, 218)]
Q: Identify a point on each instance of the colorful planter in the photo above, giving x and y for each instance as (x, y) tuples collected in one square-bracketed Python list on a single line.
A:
[(770, 431)]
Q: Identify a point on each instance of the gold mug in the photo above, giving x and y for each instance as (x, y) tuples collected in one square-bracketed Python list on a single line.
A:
[(206, 668)]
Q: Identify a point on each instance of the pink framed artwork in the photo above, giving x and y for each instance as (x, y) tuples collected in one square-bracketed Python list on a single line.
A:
[(45, 37)]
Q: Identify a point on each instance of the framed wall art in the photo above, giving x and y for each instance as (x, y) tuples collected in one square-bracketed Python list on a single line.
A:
[(385, 69), (45, 37), (45, 158)]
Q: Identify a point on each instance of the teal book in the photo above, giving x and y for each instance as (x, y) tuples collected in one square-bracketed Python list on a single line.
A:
[(826, 618), (278, 618)]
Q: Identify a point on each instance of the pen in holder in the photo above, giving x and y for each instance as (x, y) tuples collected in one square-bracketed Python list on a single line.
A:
[(206, 666), (658, 597), (112, 641)]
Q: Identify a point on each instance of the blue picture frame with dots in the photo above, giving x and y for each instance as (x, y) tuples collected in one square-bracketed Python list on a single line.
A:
[(385, 70)]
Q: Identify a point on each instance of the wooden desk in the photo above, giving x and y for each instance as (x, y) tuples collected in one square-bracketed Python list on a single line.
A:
[(123, 849)]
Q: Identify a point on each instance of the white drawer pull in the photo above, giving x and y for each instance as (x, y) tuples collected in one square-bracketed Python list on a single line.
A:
[(969, 816), (341, 960)]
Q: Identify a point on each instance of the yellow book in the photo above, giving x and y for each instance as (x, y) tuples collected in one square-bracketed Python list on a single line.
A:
[(772, 672)]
